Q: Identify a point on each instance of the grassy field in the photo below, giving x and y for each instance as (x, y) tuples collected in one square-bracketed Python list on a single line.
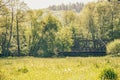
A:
[(69, 68)]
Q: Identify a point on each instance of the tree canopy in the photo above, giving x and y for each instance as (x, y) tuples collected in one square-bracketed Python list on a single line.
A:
[(46, 32)]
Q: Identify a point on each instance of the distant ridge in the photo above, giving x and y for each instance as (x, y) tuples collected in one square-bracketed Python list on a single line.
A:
[(71, 6)]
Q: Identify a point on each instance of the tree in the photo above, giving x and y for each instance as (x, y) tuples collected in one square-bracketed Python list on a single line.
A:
[(34, 17), (4, 15), (4, 3), (50, 27), (64, 39), (77, 7), (69, 17), (107, 19), (20, 13), (13, 13)]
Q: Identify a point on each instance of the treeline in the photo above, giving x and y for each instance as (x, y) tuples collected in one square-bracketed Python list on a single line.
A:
[(40, 33), (71, 6)]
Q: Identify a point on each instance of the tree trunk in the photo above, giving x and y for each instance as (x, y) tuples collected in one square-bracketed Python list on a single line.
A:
[(18, 40), (8, 44)]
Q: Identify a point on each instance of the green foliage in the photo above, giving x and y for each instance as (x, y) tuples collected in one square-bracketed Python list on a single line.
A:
[(69, 17), (51, 23), (43, 35), (108, 74), (46, 32), (64, 39), (23, 70), (50, 28), (113, 47)]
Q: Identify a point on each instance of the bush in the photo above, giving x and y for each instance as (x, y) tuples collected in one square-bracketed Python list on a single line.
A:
[(113, 47), (108, 74), (23, 70)]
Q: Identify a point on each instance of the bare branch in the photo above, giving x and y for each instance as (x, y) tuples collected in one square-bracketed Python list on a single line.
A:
[(3, 4)]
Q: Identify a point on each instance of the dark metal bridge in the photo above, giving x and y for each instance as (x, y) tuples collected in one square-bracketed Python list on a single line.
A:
[(85, 47)]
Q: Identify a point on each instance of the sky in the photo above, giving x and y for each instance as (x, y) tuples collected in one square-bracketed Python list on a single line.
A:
[(39, 4)]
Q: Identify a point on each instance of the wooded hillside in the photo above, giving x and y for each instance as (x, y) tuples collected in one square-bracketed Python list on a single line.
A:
[(24, 31)]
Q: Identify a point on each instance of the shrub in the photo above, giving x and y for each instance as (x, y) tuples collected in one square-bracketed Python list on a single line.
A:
[(108, 74), (113, 47), (23, 70)]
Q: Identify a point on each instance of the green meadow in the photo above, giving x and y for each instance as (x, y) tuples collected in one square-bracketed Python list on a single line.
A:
[(69, 68)]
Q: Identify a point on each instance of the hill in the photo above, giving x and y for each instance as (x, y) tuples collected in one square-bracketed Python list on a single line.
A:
[(75, 6)]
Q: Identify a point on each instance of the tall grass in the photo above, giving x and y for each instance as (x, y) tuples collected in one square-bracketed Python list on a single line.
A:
[(29, 68)]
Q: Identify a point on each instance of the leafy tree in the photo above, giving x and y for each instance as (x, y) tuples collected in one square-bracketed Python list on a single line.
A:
[(4, 19), (50, 27), (69, 17), (34, 30), (64, 39)]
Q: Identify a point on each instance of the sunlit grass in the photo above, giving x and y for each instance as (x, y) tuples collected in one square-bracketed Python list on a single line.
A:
[(77, 68)]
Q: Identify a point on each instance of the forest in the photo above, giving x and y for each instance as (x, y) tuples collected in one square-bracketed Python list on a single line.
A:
[(71, 6), (46, 32)]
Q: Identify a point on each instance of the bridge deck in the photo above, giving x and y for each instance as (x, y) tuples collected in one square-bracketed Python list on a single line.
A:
[(82, 54)]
